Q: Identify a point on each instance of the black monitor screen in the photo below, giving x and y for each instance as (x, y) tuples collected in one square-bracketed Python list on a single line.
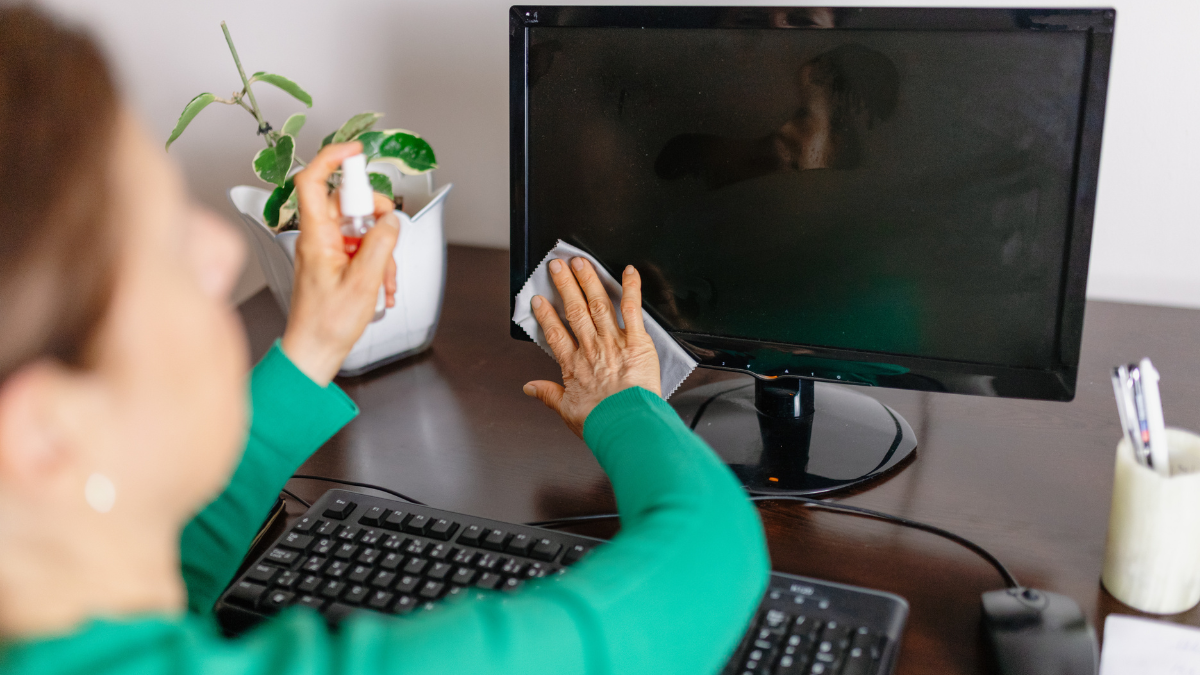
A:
[(899, 192)]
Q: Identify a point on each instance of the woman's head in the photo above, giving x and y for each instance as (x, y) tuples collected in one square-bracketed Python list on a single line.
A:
[(118, 352)]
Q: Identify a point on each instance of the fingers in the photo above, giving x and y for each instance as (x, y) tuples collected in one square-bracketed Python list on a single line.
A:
[(599, 304), (556, 333), (369, 264), (550, 393), (318, 210), (631, 300), (311, 182), (574, 304), (383, 206), (389, 281)]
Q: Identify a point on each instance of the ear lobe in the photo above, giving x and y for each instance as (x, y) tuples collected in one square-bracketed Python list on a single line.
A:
[(34, 453)]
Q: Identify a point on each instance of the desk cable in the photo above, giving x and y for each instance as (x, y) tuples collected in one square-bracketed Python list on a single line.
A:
[(1009, 579)]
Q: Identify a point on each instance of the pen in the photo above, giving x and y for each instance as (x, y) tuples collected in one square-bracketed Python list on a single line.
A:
[(1156, 432), (1135, 436), (1119, 376)]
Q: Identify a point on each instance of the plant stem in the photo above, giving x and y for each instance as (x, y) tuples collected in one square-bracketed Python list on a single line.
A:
[(245, 82)]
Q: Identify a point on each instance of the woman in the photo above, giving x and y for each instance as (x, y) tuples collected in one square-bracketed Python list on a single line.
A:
[(130, 489)]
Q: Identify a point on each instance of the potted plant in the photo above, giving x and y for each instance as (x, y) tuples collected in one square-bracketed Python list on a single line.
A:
[(400, 163)]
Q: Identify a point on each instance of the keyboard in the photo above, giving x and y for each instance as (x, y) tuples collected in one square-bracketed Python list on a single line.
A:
[(354, 552)]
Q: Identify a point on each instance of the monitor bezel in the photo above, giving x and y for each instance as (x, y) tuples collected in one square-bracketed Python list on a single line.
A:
[(827, 363)]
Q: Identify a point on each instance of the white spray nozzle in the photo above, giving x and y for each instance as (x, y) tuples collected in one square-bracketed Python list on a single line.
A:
[(356, 195)]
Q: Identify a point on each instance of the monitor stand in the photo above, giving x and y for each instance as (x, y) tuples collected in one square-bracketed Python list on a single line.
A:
[(795, 435)]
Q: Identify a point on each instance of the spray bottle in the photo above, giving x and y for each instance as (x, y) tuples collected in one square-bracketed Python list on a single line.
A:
[(358, 213)]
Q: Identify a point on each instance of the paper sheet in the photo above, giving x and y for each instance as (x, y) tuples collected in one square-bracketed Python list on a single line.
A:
[(675, 364), (1136, 646)]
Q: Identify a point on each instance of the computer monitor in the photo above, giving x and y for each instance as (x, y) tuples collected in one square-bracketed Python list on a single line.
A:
[(889, 197)]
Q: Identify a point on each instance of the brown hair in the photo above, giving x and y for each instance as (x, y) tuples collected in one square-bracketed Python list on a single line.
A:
[(58, 112)]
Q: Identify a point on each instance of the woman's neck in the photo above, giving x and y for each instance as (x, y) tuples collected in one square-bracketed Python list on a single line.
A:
[(52, 579)]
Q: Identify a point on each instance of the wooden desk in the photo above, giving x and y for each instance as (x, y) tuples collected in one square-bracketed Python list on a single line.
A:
[(1028, 480)]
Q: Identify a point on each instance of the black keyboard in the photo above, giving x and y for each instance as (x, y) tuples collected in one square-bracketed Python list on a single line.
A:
[(352, 551)]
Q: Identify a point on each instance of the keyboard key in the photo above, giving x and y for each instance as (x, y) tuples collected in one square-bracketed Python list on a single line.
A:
[(575, 553), (380, 600), (536, 571), (404, 605), (263, 574), (282, 556), (519, 544), (394, 520), (510, 584), (471, 535), (323, 546), (336, 568), (314, 564), (332, 588), (513, 567), (393, 542), (416, 546), (305, 524), (495, 540), (418, 524), (415, 565), (368, 556), (359, 574), (356, 594), (299, 542), (287, 579), (348, 533), (432, 590), (346, 551), (339, 508), (391, 561), (408, 583), (488, 580), (490, 561), (442, 529), (327, 528), (465, 557), (545, 549), (439, 570), (373, 516), (383, 579), (310, 584), (370, 536), (463, 576), (311, 601), (247, 593), (439, 552), (277, 600)]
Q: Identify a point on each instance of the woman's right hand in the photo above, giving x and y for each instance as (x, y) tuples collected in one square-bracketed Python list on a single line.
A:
[(603, 358), (333, 298)]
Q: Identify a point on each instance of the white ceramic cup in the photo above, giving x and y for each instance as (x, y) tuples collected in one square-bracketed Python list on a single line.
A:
[(1152, 559)]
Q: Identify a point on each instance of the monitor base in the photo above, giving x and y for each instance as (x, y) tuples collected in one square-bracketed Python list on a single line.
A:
[(797, 436)]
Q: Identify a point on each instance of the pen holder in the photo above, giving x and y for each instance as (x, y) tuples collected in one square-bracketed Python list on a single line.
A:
[(1152, 559)]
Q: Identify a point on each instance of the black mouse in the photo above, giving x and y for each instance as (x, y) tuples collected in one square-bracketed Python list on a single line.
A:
[(1034, 632)]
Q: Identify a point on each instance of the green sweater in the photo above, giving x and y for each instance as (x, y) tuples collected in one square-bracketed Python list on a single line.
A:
[(672, 593)]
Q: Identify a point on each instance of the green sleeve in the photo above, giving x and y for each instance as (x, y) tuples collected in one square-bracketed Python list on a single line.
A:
[(671, 594), (291, 416)]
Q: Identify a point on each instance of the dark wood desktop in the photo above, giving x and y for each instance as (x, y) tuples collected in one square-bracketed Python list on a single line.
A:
[(1028, 480)]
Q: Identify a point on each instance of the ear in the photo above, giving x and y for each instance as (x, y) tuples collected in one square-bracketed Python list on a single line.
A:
[(36, 457)]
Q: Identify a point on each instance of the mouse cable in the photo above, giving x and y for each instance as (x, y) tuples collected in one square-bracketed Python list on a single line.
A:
[(1008, 577), (340, 481), (293, 495)]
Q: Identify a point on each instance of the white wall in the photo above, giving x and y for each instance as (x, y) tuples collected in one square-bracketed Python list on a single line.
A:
[(439, 67)]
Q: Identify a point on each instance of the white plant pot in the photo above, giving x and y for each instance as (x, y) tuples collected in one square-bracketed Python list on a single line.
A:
[(420, 254)]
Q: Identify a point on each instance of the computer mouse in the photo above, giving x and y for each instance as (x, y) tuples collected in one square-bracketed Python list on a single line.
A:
[(1035, 632)]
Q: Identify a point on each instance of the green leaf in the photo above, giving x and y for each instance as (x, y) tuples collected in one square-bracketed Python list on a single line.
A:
[(278, 196), (328, 139), (273, 163), (355, 126), (284, 84), (370, 141), (190, 111), (288, 209), (381, 184), (408, 152), (293, 124)]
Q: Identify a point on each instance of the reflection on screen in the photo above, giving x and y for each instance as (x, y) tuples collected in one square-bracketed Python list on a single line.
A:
[(900, 192)]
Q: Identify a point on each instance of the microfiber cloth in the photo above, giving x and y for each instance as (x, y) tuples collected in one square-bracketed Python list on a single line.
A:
[(675, 364)]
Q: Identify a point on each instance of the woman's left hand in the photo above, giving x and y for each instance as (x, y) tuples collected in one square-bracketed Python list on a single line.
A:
[(333, 298)]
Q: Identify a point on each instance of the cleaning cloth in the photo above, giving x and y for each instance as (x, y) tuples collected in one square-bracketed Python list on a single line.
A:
[(674, 363)]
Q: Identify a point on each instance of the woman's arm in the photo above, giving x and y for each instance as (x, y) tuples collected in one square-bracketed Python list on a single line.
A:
[(291, 416)]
